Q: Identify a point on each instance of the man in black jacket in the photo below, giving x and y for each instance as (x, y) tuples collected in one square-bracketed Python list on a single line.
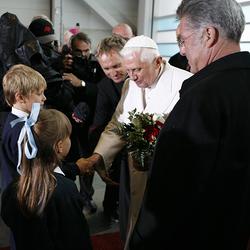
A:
[(43, 29), (109, 93), (201, 166), (84, 72)]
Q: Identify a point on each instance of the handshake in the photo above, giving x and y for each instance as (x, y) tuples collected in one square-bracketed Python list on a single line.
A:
[(95, 163)]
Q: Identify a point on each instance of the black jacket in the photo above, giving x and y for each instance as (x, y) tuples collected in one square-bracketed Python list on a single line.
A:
[(62, 226), (90, 71), (109, 94), (198, 194), (18, 45)]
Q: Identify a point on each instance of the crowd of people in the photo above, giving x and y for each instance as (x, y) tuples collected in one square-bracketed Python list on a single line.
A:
[(60, 111)]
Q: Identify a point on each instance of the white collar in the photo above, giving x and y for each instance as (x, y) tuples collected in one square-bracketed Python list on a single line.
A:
[(58, 170), (19, 113)]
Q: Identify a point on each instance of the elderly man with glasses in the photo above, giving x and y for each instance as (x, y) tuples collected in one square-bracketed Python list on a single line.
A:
[(201, 165)]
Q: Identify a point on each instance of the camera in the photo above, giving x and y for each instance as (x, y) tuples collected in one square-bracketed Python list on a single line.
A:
[(79, 63)]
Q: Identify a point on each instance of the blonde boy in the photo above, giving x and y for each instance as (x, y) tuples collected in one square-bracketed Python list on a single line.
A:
[(22, 87)]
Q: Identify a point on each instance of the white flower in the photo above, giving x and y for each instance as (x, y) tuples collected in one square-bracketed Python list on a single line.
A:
[(158, 117)]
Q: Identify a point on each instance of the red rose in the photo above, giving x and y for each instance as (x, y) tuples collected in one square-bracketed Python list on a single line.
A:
[(159, 124), (151, 133)]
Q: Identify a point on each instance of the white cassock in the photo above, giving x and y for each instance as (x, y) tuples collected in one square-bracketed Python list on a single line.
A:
[(160, 99)]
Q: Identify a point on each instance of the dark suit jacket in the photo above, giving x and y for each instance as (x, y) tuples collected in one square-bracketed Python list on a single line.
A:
[(90, 71), (198, 193), (109, 94)]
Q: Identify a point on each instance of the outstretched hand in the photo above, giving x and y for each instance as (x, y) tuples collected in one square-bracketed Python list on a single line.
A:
[(85, 166), (95, 163)]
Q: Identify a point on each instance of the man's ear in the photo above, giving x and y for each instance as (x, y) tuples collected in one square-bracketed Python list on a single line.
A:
[(211, 36)]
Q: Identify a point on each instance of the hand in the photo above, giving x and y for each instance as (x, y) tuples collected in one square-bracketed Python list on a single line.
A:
[(85, 166), (76, 82), (81, 112), (76, 119)]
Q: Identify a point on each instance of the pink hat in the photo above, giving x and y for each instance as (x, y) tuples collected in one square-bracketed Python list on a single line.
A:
[(74, 30)]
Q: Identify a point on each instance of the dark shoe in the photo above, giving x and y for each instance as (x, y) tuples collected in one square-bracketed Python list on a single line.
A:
[(89, 207), (115, 216), (112, 215)]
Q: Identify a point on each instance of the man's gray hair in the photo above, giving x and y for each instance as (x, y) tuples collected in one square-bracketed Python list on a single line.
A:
[(226, 15), (145, 54)]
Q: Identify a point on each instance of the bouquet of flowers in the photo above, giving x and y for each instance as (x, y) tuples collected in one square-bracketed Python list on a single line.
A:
[(141, 134)]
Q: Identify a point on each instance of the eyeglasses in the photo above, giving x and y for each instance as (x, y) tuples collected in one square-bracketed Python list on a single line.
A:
[(181, 41)]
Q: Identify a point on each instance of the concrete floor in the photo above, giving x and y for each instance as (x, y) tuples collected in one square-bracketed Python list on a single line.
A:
[(98, 223)]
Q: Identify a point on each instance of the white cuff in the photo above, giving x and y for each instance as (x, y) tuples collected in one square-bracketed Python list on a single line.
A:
[(83, 84)]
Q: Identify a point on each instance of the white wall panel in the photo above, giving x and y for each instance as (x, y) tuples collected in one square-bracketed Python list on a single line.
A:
[(246, 34), (125, 11), (164, 8), (72, 12), (164, 34), (77, 11), (25, 10), (162, 37), (145, 17), (243, 1)]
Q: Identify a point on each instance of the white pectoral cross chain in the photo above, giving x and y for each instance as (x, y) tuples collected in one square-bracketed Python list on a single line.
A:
[(144, 98)]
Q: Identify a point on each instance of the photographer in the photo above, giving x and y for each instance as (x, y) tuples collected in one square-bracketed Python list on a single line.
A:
[(43, 29), (82, 69)]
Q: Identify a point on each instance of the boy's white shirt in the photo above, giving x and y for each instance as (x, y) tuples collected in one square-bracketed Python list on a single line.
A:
[(19, 113)]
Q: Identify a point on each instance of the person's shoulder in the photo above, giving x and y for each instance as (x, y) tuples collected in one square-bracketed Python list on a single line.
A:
[(10, 117), (7, 129), (64, 184), (62, 179), (104, 83), (93, 59), (66, 190), (178, 71)]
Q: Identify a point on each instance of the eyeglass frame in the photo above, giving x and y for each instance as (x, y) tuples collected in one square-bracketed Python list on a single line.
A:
[(181, 41)]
